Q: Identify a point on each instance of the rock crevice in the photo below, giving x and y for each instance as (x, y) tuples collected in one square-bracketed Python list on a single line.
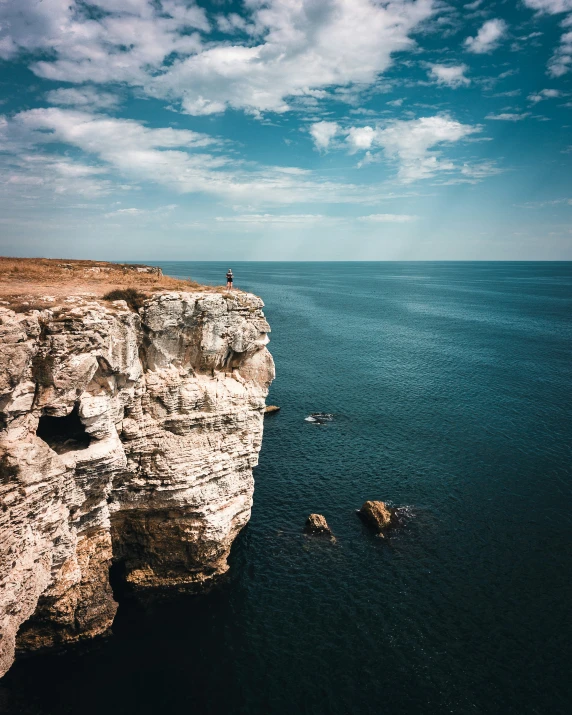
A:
[(126, 438)]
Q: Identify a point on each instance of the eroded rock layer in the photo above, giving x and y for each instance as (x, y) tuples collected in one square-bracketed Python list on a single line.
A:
[(126, 439)]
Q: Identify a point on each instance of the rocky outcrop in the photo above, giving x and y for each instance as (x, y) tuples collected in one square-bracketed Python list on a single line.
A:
[(377, 515), (317, 525), (127, 439)]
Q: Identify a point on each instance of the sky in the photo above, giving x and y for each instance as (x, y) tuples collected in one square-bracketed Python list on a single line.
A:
[(286, 129)]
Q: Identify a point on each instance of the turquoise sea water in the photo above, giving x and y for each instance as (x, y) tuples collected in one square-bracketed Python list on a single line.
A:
[(451, 386)]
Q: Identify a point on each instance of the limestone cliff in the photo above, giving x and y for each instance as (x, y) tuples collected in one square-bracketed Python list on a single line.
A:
[(126, 438)]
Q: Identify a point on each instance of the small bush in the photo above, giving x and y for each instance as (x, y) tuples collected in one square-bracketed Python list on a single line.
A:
[(131, 296)]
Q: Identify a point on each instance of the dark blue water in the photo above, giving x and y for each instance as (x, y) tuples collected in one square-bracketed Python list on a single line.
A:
[(451, 387)]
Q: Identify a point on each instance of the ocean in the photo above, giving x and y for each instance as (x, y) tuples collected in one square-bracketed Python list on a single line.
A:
[(450, 386)]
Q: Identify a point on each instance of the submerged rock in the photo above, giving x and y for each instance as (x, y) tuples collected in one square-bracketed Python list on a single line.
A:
[(377, 515), (320, 417), (316, 524)]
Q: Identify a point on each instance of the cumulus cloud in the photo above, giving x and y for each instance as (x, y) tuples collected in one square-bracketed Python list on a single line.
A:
[(130, 37), (544, 94), (361, 138), (307, 48), (181, 160), (450, 75), (412, 144), (288, 48), (561, 61), (323, 133), (129, 152), (488, 37)]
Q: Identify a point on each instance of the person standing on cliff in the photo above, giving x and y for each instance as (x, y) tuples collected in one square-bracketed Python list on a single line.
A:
[(229, 279)]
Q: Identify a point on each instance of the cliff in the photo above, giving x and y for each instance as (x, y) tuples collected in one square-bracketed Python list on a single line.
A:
[(127, 438)]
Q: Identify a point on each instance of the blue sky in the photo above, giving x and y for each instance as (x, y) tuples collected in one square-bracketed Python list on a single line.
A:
[(286, 129)]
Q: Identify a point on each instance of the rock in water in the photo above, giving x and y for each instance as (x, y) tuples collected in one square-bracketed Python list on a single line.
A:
[(320, 417), (316, 524), (271, 409), (377, 515)]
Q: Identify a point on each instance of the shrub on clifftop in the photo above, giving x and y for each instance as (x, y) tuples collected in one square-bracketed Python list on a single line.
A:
[(133, 297)]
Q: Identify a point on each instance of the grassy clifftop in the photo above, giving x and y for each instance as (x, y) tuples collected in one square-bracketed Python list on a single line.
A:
[(22, 280)]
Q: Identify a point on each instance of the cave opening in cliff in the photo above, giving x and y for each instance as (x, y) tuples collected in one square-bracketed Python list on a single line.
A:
[(63, 434)]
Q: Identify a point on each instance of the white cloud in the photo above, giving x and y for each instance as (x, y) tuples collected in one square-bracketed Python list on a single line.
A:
[(233, 23), (174, 158), (30, 25), (323, 133), (361, 138), (160, 213), (289, 48), (508, 116), (83, 98), (129, 40), (125, 212), (412, 144), (553, 7), (543, 204), (488, 37), (561, 61), (471, 173), (450, 75), (135, 7), (544, 94), (106, 136), (285, 219), (510, 93), (388, 218), (307, 46), (53, 175), (306, 219)]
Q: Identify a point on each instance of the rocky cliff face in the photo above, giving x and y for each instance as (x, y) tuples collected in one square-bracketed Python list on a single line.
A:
[(126, 439)]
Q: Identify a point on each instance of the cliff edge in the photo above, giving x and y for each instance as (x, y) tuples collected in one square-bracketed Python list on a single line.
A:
[(127, 438)]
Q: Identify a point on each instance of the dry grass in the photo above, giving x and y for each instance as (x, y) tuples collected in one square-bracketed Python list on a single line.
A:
[(23, 280)]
